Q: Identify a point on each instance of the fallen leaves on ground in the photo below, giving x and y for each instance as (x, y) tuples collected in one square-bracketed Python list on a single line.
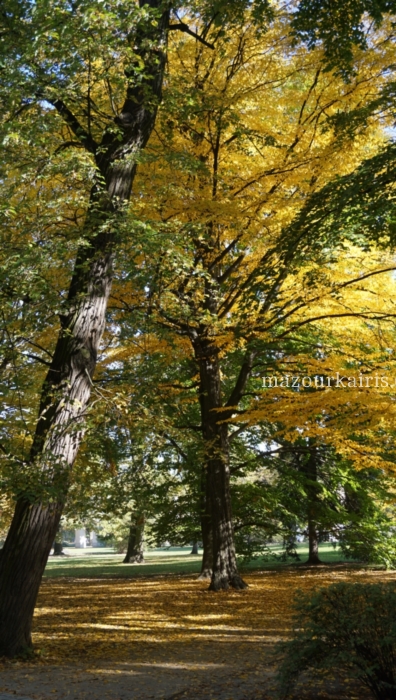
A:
[(161, 637), (118, 618)]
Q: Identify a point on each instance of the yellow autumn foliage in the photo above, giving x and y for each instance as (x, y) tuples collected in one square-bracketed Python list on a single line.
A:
[(246, 134)]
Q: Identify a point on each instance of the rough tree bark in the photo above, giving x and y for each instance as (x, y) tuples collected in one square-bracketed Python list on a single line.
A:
[(207, 555), (215, 434), (67, 387), (206, 527), (134, 554)]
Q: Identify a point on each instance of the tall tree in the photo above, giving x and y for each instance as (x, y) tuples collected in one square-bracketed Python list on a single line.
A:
[(245, 138), (113, 141), (99, 68)]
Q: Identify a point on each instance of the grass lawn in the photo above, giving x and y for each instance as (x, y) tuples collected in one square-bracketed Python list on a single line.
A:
[(103, 562)]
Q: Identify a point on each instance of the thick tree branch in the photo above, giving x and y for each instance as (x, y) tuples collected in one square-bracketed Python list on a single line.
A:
[(35, 345), (182, 27), (234, 266), (225, 252), (68, 144), (176, 446), (71, 120), (36, 358), (243, 377), (374, 316)]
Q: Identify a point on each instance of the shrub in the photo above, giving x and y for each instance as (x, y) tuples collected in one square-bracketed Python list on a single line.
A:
[(350, 626)]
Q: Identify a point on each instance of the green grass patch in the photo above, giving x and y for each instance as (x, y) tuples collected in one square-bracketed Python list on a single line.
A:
[(328, 555), (104, 562)]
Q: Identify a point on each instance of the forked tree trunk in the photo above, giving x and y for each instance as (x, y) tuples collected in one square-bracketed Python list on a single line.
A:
[(67, 387), (215, 433), (134, 554)]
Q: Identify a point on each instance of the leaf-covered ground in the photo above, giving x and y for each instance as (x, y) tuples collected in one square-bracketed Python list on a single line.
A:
[(168, 637)]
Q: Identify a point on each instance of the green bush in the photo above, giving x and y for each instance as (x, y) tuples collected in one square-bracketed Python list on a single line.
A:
[(346, 626)]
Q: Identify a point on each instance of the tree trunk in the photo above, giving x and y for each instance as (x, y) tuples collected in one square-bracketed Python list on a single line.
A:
[(58, 544), (206, 527), (23, 561), (225, 570), (311, 472), (134, 553), (195, 548), (313, 556), (58, 549), (207, 561), (215, 434), (67, 387)]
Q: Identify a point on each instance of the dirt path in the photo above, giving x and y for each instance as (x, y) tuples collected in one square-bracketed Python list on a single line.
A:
[(194, 676), (166, 638)]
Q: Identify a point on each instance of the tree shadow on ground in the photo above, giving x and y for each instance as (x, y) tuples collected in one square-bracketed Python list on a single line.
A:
[(167, 638)]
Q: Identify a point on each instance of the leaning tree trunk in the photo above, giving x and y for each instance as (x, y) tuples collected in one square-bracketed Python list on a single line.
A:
[(215, 433), (134, 554), (206, 527), (311, 472), (67, 387)]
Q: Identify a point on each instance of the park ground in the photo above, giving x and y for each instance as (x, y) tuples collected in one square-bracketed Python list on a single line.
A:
[(108, 631)]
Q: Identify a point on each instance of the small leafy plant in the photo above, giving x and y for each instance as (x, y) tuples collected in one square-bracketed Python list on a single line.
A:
[(350, 626)]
